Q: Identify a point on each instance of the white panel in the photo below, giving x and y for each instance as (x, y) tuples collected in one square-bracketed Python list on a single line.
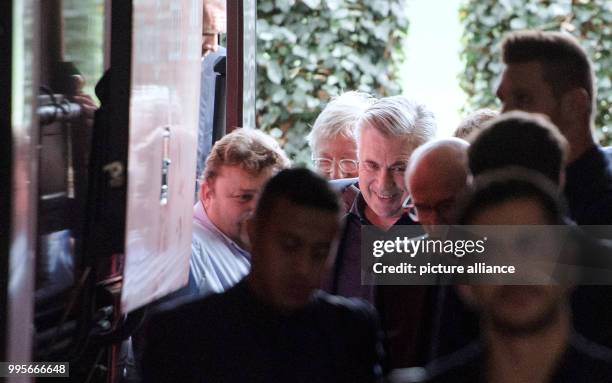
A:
[(23, 220), (164, 97)]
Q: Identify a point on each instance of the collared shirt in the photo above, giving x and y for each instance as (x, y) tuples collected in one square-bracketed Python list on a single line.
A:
[(217, 262)]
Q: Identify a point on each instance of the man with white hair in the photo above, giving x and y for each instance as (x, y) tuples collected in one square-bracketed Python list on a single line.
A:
[(387, 133), (389, 130), (332, 138)]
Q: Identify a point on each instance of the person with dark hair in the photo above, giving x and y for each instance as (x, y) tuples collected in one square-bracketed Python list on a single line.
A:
[(520, 139), (550, 73), (526, 332), (274, 325)]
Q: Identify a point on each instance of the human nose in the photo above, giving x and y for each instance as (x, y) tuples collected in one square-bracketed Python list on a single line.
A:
[(336, 172), (302, 265), (385, 178)]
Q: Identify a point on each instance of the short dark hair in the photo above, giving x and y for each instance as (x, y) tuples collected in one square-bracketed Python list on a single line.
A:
[(299, 186), (566, 63), (497, 187), (519, 139)]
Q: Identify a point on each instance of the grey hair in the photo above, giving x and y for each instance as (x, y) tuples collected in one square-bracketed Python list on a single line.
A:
[(339, 117), (474, 122), (401, 117)]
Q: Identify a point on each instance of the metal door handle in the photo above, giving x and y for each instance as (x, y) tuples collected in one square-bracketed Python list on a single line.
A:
[(165, 169)]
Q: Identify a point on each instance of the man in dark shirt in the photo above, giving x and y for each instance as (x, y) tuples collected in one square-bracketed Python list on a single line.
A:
[(549, 73), (274, 326), (526, 332), (387, 133)]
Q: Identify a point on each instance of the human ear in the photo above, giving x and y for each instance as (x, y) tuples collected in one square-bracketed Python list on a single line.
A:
[(577, 102), (206, 192)]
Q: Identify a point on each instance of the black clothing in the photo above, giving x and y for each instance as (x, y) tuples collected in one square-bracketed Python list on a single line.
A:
[(406, 312), (589, 188), (583, 361), (589, 194), (234, 337)]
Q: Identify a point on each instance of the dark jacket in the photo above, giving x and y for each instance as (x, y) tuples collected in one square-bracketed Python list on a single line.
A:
[(234, 337)]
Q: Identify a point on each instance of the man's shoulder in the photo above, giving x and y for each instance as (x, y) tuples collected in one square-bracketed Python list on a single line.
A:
[(586, 360), (205, 239), (194, 314), (180, 333), (186, 308)]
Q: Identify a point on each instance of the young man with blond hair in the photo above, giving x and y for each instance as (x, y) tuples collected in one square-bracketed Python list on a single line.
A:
[(236, 169)]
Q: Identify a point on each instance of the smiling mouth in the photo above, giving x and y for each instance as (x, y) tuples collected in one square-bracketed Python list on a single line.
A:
[(385, 197)]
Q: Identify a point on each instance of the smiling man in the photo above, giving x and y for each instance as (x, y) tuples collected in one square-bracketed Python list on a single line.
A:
[(388, 132), (236, 169)]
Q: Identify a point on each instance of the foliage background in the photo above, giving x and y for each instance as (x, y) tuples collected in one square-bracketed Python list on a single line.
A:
[(485, 22), (311, 50), (84, 39)]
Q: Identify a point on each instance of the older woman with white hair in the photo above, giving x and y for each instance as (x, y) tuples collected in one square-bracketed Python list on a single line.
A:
[(332, 138)]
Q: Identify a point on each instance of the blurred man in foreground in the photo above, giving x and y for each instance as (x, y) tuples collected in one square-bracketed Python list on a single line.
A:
[(273, 326)]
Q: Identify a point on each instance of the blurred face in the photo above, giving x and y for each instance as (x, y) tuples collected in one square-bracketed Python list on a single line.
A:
[(517, 310), (336, 157), (290, 253), (230, 198), (213, 24), (522, 87), (382, 163), (433, 190)]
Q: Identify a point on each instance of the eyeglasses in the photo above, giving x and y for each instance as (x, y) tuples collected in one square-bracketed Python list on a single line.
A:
[(327, 164), (441, 208)]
